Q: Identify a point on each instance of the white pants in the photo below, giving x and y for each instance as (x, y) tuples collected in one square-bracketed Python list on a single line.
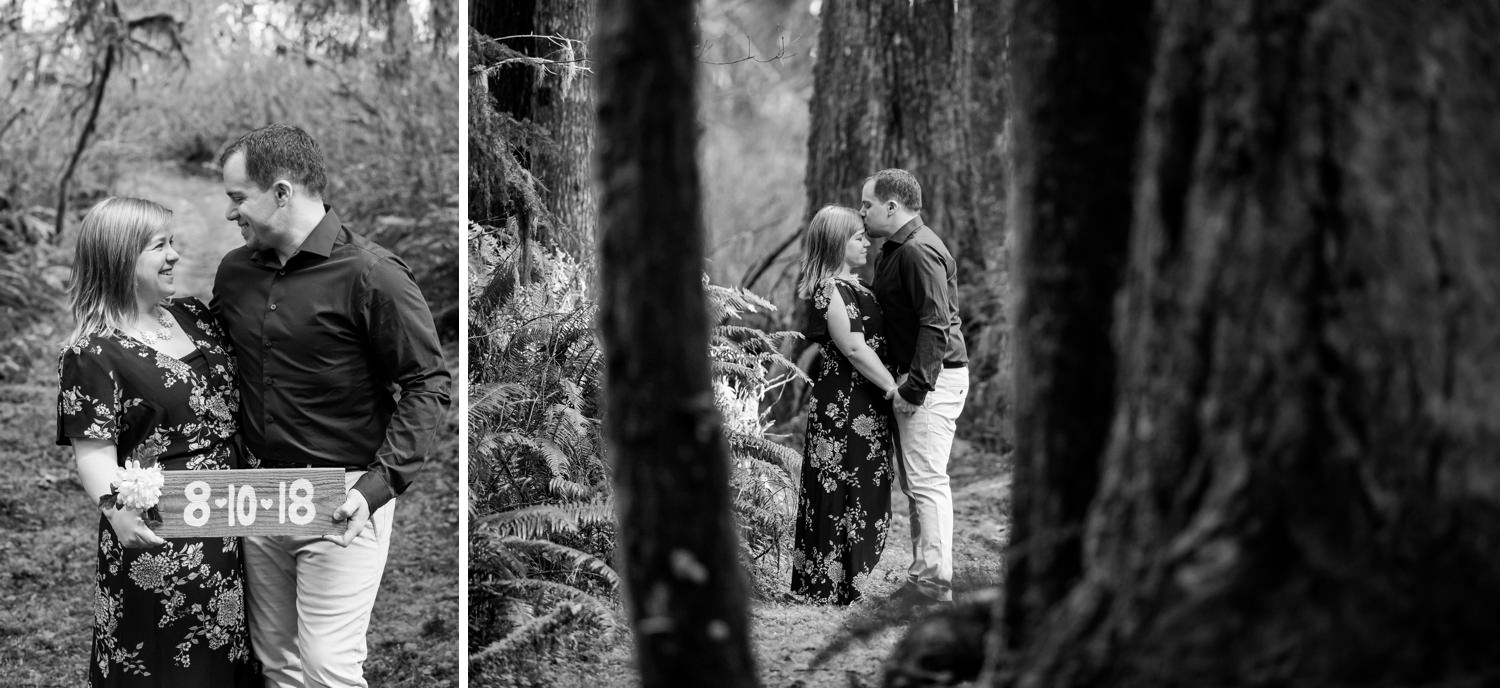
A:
[(925, 438), (310, 602)]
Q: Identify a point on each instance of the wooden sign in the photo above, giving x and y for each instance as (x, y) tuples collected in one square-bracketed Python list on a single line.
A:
[(257, 501)]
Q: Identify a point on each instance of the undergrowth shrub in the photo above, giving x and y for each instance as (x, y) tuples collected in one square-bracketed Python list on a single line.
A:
[(542, 534)]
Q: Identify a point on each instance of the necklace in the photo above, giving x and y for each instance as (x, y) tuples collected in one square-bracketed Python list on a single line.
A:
[(162, 333)]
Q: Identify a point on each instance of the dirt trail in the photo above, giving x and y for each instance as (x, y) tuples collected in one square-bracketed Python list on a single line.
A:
[(203, 236), (786, 637)]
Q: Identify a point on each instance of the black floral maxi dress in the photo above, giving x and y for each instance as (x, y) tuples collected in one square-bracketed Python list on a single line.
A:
[(173, 615), (845, 505)]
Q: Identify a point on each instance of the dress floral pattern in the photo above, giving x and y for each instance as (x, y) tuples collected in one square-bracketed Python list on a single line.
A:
[(844, 509), (173, 615)]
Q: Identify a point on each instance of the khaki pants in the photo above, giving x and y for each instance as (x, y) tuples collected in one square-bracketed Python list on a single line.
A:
[(925, 438), (310, 602)]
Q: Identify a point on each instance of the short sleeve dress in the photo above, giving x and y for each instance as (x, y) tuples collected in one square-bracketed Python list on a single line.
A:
[(173, 615), (844, 509)]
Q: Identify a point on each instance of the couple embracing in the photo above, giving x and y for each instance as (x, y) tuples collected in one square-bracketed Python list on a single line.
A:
[(317, 350), (886, 396)]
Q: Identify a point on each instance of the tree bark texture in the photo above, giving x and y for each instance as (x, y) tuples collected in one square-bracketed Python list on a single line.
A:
[(685, 592), (893, 88), (896, 84), (564, 108), (1299, 486), (1080, 72)]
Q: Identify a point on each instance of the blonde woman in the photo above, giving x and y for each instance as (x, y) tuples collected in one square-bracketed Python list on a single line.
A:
[(844, 509), (149, 379)]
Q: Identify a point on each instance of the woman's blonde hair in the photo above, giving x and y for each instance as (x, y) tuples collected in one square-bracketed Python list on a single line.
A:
[(823, 246), (114, 234)]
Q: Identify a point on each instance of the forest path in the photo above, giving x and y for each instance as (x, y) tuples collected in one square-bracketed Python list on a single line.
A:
[(202, 235), (786, 636)]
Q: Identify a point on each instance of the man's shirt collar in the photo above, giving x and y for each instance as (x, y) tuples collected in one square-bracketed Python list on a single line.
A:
[(902, 234), (319, 242)]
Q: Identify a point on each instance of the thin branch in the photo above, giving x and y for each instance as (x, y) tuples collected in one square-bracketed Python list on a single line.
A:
[(754, 274), (83, 137), (781, 53)]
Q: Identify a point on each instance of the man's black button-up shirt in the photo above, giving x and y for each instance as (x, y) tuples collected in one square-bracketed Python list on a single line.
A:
[(916, 282), (339, 360)]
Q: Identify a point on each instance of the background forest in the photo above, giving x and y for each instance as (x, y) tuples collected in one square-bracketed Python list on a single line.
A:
[(779, 141), (136, 97)]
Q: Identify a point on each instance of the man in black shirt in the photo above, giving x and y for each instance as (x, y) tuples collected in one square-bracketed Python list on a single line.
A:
[(916, 284), (340, 367)]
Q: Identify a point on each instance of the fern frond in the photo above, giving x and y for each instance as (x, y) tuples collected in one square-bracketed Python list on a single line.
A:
[(510, 591), (488, 400), (540, 520), (747, 375), (569, 490), (531, 634), (763, 449), (576, 560)]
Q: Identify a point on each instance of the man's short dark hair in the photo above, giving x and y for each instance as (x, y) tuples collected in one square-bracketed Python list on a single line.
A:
[(280, 151), (900, 185)]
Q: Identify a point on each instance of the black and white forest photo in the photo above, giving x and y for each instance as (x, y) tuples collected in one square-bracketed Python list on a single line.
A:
[(229, 317), (848, 343)]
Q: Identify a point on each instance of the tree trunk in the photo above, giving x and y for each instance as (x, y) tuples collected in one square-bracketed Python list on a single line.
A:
[(564, 108), (400, 35), (684, 589), (893, 88), (1299, 487), (1075, 155)]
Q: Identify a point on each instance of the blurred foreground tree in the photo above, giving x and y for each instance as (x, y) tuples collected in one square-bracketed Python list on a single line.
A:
[(1075, 158), (1296, 484), (684, 586)]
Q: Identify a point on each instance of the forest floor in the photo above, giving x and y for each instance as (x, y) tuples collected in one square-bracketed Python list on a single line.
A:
[(47, 530), (791, 641)]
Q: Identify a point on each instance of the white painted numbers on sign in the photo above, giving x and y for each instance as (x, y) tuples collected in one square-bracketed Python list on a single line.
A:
[(250, 502), (240, 506)]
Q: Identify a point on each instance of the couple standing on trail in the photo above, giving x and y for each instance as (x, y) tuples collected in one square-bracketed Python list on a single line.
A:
[(317, 351), (895, 377)]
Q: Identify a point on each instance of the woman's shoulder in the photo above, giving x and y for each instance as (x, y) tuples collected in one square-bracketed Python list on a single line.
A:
[(198, 313), (189, 304), (89, 346), (823, 291)]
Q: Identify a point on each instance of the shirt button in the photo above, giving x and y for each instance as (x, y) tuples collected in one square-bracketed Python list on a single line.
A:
[(270, 382), (281, 272), (273, 306), (270, 420)]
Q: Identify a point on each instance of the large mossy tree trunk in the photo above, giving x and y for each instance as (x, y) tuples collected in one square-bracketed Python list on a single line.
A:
[(893, 87), (684, 588), (1299, 485), (564, 108), (552, 97)]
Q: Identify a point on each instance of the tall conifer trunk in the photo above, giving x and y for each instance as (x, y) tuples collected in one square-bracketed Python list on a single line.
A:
[(685, 591)]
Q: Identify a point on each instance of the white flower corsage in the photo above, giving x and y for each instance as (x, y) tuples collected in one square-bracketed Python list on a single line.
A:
[(136, 487)]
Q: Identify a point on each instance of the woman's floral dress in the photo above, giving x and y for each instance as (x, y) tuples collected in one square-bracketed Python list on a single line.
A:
[(845, 505), (173, 615)]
